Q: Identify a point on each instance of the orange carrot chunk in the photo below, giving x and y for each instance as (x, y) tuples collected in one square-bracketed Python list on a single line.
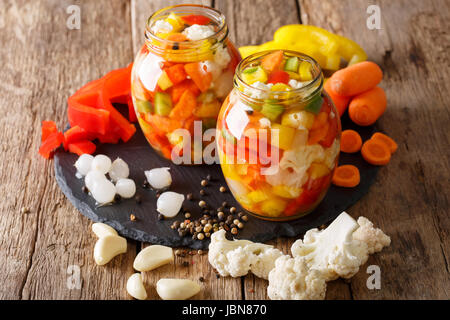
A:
[(356, 79), (351, 141), (376, 152), (346, 176), (340, 102), (272, 61), (393, 146), (367, 107)]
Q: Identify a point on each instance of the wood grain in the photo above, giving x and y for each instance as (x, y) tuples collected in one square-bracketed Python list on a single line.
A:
[(410, 199), (43, 64)]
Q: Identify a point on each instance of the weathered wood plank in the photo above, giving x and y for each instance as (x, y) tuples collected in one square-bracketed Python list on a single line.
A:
[(43, 64), (410, 199)]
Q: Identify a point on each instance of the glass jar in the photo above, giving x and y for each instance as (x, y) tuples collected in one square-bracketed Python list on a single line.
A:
[(180, 78), (278, 135)]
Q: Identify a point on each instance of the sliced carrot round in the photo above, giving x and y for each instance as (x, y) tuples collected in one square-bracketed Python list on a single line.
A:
[(376, 152), (346, 176), (351, 141), (393, 146)]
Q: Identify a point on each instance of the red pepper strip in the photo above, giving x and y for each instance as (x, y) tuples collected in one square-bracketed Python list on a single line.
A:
[(48, 127), (327, 141), (278, 76), (118, 124), (119, 85), (131, 111), (76, 134), (196, 19), (89, 118), (49, 145), (82, 147)]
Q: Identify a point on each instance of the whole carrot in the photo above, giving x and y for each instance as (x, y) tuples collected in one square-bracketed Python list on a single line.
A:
[(367, 107), (340, 102), (356, 79)]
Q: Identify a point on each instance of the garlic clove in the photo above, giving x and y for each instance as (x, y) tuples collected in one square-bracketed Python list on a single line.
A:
[(101, 230), (153, 257), (135, 287), (176, 289), (107, 247)]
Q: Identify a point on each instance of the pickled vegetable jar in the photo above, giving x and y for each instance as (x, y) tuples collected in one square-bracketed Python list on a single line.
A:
[(278, 135), (181, 76)]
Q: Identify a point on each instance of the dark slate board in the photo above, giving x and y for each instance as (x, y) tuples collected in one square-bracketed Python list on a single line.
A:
[(186, 179)]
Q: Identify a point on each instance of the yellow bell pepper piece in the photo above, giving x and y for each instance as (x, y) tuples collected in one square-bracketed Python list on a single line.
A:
[(287, 192), (245, 51), (254, 74), (273, 207), (208, 109), (241, 169), (333, 62), (164, 81), (257, 196), (175, 21), (282, 136), (305, 71), (298, 119), (318, 170)]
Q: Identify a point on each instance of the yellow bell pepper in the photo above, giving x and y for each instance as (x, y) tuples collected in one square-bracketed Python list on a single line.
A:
[(298, 119), (257, 196), (254, 74), (175, 21), (318, 170), (282, 136), (287, 192), (305, 71), (164, 82), (273, 207)]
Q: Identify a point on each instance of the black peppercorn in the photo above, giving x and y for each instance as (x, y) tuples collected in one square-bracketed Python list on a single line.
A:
[(84, 189)]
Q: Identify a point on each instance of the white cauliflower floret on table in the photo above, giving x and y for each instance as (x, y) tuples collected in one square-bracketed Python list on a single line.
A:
[(375, 238), (333, 251), (292, 279), (236, 258)]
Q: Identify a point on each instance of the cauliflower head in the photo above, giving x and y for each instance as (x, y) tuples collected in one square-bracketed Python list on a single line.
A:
[(375, 238), (292, 279), (333, 251), (236, 258)]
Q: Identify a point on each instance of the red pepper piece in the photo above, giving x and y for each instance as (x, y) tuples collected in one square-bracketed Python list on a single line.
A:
[(201, 77), (177, 90), (48, 127), (176, 73), (278, 76), (76, 134), (88, 118), (52, 142), (131, 111), (328, 140), (118, 85), (82, 147), (196, 19)]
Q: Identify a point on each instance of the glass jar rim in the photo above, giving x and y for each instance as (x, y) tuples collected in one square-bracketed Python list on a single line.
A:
[(317, 78), (209, 12)]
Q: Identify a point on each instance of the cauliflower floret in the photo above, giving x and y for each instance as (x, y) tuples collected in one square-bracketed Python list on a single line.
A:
[(236, 258), (333, 251), (221, 56), (331, 154), (375, 238), (263, 93), (291, 279), (198, 32), (297, 84), (161, 26)]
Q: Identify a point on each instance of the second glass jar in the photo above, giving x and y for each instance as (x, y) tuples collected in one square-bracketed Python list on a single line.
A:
[(278, 135), (181, 76)]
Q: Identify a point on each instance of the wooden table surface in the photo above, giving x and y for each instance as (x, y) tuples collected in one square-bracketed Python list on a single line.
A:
[(44, 62)]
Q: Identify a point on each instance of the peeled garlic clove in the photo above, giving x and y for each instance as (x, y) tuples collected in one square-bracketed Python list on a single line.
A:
[(176, 289), (108, 247), (159, 178), (152, 257), (119, 170), (102, 230), (135, 287), (169, 203)]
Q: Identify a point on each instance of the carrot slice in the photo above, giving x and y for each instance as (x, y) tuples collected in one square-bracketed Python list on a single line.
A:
[(199, 75), (393, 146), (272, 61), (376, 152), (351, 141), (346, 176)]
